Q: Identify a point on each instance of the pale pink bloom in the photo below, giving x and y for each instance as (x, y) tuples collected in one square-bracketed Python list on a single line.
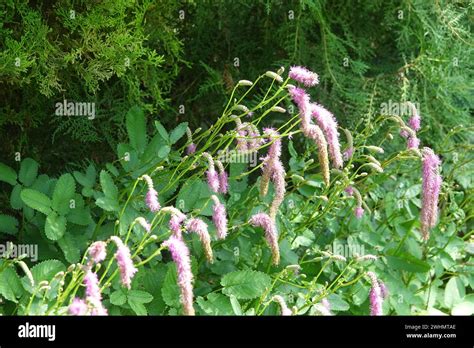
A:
[(328, 124), (151, 198), (78, 307), (180, 254), (383, 290), (97, 251), (219, 217), (199, 227), (212, 176), (413, 143), (124, 261), (271, 234), (285, 311), (191, 148), (349, 190), (91, 281), (302, 100), (304, 76), (359, 212), (223, 179), (348, 153), (145, 224), (430, 190), (375, 295), (415, 123)]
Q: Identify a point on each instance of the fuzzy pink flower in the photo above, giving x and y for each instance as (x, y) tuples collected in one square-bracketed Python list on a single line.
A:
[(91, 281), (304, 76), (348, 153), (97, 251), (124, 261), (219, 218), (359, 212), (271, 234), (223, 179), (180, 254), (278, 177), (431, 188), (199, 227), (145, 224), (415, 120), (285, 311), (212, 176), (375, 295), (302, 100), (191, 148), (383, 289), (413, 143), (151, 198), (328, 124), (349, 190), (78, 307)]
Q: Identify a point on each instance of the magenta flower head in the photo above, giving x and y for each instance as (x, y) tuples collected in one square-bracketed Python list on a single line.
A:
[(304, 76), (97, 251), (415, 120), (151, 198), (375, 295), (92, 285), (431, 188), (223, 179), (271, 234), (78, 307), (199, 227), (180, 254), (124, 261), (219, 218), (302, 100), (328, 124), (212, 176), (191, 148), (176, 220), (413, 143)]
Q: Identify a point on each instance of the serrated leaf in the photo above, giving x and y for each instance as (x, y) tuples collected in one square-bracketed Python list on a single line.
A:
[(139, 296), (136, 128), (189, 194), (163, 151), (118, 298), (7, 174), (108, 204), (170, 290), (43, 271), (137, 307), (10, 286), (63, 193), (36, 200), (68, 245), (178, 132), (245, 285), (162, 131), (28, 171), (8, 224), (55, 226), (108, 186), (215, 304), (79, 216)]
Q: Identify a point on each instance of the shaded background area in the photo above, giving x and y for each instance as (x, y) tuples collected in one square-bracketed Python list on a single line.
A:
[(163, 55)]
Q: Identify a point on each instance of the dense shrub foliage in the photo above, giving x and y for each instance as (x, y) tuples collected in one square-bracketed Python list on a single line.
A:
[(212, 179)]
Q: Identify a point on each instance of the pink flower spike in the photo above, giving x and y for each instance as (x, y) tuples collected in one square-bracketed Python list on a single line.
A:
[(91, 281), (359, 212), (191, 148), (271, 234), (152, 200), (304, 76), (431, 187), (180, 254), (328, 124), (199, 227), (219, 218), (375, 295), (78, 307), (124, 261), (97, 251), (413, 143)]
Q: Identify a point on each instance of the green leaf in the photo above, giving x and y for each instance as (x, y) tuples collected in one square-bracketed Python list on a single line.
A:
[(118, 297), (246, 284), (170, 290), (137, 307), (465, 307), (28, 171), (163, 151), (406, 262), (15, 199), (136, 128), (453, 292), (108, 186), (68, 245), (63, 193), (10, 286), (162, 131), (7, 174), (36, 200), (8, 224), (178, 132), (55, 226), (108, 204), (215, 304), (45, 270), (189, 194), (235, 305), (79, 216), (337, 303), (87, 179), (139, 296)]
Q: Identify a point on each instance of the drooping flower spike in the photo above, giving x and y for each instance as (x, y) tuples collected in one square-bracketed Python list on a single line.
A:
[(223, 178), (191, 148), (180, 254), (196, 225), (124, 261), (145, 224), (97, 251), (304, 76), (285, 311), (176, 220), (151, 198), (264, 221), (212, 176), (431, 187), (78, 307), (375, 295), (219, 217)]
